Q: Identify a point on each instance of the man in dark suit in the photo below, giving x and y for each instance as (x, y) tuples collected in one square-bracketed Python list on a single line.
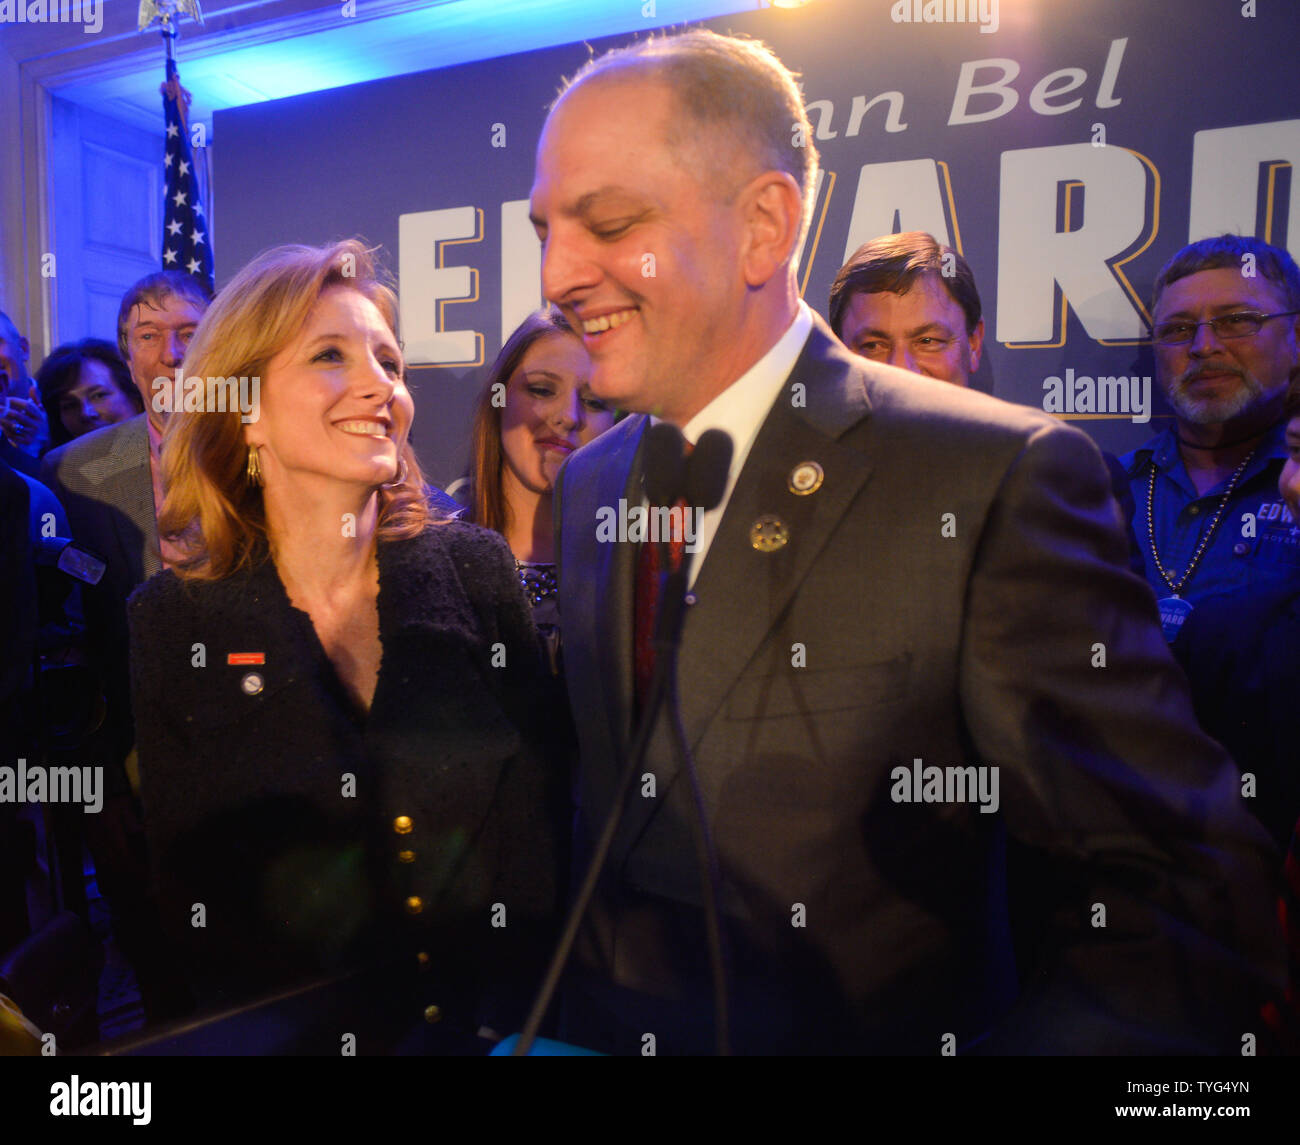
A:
[(956, 790)]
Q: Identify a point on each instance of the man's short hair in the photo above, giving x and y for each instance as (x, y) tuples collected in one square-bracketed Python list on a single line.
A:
[(894, 263), (1228, 252), (727, 82), (152, 291)]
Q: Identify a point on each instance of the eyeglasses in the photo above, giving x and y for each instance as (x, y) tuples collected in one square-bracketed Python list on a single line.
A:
[(1243, 325)]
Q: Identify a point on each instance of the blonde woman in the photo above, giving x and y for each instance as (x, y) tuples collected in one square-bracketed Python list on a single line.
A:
[(339, 760)]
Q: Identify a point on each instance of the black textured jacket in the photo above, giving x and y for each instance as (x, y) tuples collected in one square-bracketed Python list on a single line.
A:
[(315, 839)]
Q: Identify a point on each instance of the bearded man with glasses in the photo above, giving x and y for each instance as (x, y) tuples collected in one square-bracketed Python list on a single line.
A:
[(1209, 519)]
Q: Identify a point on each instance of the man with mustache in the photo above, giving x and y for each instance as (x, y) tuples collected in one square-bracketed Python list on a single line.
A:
[(1225, 329)]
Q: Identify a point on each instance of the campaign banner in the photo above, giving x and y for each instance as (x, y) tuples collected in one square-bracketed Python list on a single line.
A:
[(1067, 150)]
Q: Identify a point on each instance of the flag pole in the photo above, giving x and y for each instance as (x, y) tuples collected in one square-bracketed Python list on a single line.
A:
[(186, 243), (166, 14)]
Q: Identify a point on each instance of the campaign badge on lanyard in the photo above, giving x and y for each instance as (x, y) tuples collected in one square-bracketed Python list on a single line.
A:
[(1174, 611)]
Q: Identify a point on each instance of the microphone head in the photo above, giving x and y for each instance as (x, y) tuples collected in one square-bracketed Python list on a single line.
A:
[(664, 472), (707, 469)]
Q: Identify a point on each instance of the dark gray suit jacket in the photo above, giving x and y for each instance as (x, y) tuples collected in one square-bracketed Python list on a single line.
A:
[(862, 924)]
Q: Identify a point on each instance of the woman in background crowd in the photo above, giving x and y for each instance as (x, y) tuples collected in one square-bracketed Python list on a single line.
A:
[(534, 410), (340, 749), (85, 385)]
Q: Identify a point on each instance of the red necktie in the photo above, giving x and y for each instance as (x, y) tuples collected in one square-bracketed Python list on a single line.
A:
[(646, 608)]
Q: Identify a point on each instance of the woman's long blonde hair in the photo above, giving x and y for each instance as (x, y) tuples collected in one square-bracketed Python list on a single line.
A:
[(213, 513)]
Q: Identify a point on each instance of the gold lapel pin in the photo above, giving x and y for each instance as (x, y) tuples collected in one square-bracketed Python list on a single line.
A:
[(768, 534), (805, 478)]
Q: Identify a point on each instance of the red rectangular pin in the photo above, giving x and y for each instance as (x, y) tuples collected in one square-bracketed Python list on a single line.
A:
[(245, 657)]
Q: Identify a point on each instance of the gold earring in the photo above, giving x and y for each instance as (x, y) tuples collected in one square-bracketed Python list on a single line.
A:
[(254, 467)]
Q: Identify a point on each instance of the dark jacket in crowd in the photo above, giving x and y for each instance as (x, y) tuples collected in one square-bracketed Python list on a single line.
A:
[(306, 837), (17, 649), (1241, 652)]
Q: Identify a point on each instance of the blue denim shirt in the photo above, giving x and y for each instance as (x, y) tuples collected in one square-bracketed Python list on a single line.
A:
[(1257, 541)]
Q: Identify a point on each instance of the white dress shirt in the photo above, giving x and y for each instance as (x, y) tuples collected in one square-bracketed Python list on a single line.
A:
[(740, 410)]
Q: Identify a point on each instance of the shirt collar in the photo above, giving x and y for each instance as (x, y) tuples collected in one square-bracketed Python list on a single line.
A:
[(1164, 454), (155, 438), (742, 406)]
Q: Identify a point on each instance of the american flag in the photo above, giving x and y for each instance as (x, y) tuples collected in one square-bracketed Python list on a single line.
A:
[(185, 240)]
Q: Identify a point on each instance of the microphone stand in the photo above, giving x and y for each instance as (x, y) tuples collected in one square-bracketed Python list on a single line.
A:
[(663, 686), (672, 614)]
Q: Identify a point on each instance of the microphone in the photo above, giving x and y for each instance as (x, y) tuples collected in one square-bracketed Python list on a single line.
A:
[(707, 469), (71, 558), (701, 480), (664, 477)]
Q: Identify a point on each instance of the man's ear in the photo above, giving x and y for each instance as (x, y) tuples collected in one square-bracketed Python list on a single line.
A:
[(976, 345), (773, 212)]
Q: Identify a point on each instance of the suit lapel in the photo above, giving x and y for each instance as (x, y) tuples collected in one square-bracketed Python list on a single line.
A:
[(607, 627), (132, 491), (742, 592), (617, 572)]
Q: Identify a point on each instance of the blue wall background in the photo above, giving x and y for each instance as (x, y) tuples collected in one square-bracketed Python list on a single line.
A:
[(354, 160)]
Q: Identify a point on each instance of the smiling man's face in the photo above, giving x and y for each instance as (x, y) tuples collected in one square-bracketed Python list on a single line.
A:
[(641, 253), (157, 335)]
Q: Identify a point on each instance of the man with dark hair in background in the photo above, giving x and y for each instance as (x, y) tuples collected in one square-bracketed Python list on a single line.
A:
[(1225, 328), (109, 481), (910, 301), (902, 574)]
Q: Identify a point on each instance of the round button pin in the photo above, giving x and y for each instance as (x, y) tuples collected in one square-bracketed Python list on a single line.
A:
[(768, 534), (805, 478), (252, 683)]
